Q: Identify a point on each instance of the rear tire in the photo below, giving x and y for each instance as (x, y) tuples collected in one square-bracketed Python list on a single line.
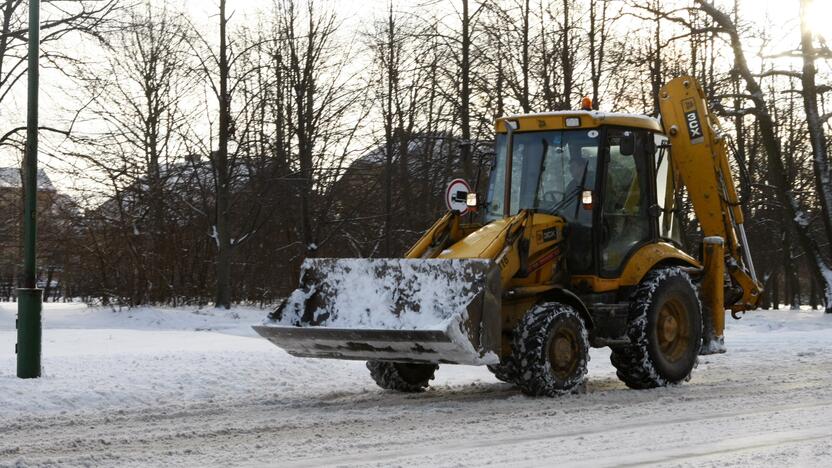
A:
[(665, 331), (402, 376), (551, 351), (505, 371)]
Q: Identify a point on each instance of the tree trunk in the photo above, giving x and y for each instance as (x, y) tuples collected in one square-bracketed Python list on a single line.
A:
[(657, 79), (820, 159), (223, 232), (465, 93), (525, 103), (566, 59), (388, 135), (47, 289), (597, 40), (813, 294), (790, 282)]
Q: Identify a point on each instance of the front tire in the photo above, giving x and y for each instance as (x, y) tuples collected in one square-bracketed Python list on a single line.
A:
[(505, 371), (402, 376), (551, 350), (665, 331)]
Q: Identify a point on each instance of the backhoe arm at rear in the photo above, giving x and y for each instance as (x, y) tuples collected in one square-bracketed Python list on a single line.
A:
[(699, 157)]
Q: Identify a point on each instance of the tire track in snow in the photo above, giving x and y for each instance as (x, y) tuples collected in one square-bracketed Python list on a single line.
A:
[(769, 441), (400, 455), (484, 419)]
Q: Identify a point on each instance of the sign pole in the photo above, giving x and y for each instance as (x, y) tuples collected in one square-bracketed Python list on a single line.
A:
[(29, 297)]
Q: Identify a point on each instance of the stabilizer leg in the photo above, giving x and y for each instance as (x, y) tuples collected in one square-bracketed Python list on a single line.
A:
[(713, 296)]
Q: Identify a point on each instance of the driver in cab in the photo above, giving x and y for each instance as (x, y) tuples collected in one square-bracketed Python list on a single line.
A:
[(577, 164)]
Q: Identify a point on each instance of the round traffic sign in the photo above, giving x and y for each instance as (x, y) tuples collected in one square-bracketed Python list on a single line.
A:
[(456, 195)]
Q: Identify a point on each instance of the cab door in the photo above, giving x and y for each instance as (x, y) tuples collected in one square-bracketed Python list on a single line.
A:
[(627, 193)]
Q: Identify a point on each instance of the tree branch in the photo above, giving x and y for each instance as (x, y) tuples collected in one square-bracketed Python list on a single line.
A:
[(16, 130)]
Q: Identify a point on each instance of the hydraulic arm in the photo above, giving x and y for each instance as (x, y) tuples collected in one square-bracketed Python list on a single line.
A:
[(700, 160)]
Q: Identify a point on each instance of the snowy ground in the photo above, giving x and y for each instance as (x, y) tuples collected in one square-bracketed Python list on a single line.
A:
[(196, 388)]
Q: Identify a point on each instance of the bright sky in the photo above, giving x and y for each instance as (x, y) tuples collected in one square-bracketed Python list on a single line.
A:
[(782, 13)]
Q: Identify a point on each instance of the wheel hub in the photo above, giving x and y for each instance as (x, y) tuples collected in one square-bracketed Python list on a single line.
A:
[(564, 353), (672, 330)]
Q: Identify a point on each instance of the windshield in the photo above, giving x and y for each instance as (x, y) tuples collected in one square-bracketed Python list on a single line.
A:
[(549, 171)]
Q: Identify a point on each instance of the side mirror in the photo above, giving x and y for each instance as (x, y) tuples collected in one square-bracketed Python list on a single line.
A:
[(627, 145), (471, 200)]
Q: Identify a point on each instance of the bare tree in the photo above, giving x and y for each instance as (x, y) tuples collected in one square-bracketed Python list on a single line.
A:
[(814, 124), (136, 98), (226, 72), (794, 215), (88, 17), (597, 35), (223, 173)]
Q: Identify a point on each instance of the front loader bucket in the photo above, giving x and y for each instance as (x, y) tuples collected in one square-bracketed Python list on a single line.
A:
[(408, 310)]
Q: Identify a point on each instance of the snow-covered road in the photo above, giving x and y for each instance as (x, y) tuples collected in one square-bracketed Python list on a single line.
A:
[(196, 388)]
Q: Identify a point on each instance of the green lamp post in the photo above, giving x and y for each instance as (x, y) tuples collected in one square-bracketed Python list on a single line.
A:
[(29, 297)]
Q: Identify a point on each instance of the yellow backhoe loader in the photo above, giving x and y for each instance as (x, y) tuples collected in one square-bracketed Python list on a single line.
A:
[(577, 245)]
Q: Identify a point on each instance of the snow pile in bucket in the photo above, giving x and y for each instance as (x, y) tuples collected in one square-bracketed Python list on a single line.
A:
[(391, 294)]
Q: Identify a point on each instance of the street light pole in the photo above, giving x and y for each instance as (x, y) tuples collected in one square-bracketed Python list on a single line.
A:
[(29, 297)]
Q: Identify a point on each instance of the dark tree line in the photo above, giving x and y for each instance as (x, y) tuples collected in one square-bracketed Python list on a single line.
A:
[(220, 152)]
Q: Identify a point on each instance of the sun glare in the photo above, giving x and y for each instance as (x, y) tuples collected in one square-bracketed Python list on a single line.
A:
[(820, 17)]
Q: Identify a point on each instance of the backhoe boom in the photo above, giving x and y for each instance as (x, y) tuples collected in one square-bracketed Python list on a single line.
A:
[(700, 160)]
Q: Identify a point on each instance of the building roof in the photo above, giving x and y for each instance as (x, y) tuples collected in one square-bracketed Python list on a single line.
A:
[(10, 177)]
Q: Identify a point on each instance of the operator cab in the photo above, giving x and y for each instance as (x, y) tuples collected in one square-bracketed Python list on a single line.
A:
[(606, 175)]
